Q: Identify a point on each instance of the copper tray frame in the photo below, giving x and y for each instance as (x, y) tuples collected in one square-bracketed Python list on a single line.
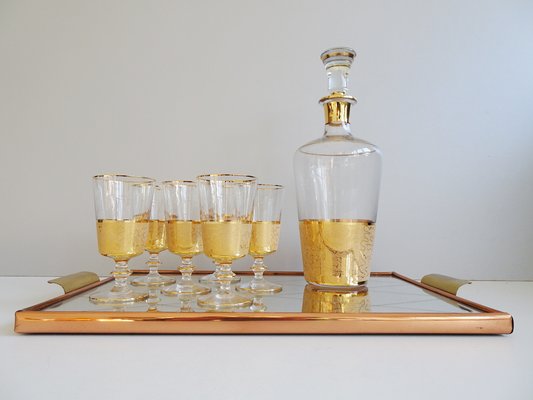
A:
[(488, 321)]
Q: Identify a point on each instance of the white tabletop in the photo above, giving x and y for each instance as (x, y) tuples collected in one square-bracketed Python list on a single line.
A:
[(268, 367)]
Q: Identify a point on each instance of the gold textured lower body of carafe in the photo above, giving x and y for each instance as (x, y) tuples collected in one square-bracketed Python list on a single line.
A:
[(337, 252)]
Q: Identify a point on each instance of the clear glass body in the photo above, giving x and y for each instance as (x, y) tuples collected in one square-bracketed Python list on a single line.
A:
[(184, 238), (156, 242), (226, 206), (265, 237), (122, 205), (337, 185)]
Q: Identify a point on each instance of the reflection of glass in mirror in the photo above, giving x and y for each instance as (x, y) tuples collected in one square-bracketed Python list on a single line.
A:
[(258, 305), (116, 307), (153, 298), (122, 204), (265, 236), (184, 236), (156, 242), (226, 203), (185, 301), (319, 300)]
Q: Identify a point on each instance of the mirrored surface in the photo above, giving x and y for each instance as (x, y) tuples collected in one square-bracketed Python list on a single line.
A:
[(385, 294)]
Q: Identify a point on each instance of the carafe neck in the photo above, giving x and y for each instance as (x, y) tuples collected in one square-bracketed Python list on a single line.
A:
[(337, 109), (343, 129), (338, 103)]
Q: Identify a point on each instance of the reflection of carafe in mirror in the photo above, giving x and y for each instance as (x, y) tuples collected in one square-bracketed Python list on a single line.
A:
[(320, 300)]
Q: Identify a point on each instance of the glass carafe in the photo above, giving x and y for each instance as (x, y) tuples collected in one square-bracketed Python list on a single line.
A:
[(337, 185)]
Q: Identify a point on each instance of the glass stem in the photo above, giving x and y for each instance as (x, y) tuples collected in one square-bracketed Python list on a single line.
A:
[(224, 275), (217, 268), (258, 268), (153, 263), (121, 274), (186, 269)]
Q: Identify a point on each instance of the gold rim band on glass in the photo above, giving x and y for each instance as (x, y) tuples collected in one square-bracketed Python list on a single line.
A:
[(179, 181), (269, 186), (247, 178), (133, 177)]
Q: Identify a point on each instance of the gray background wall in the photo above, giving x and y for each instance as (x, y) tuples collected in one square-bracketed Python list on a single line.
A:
[(172, 89)]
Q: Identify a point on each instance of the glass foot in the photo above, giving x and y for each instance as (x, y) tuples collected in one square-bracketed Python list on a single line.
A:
[(182, 287), (117, 298), (260, 286), (211, 279), (224, 301), (153, 280)]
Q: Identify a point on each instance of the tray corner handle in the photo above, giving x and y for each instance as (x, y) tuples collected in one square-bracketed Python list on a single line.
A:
[(75, 281), (444, 282)]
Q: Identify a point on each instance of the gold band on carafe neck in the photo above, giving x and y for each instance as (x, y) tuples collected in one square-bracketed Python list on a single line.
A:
[(337, 112), (337, 108)]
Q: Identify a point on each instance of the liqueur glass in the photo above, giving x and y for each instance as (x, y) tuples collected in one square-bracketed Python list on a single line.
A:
[(337, 187), (226, 205), (265, 236), (156, 242), (122, 205), (184, 236)]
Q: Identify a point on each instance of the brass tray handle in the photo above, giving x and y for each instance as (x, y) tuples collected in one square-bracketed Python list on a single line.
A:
[(75, 281), (443, 282)]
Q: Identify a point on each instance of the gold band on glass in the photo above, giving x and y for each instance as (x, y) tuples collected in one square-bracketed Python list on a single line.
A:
[(179, 182), (235, 178), (125, 178), (270, 186)]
